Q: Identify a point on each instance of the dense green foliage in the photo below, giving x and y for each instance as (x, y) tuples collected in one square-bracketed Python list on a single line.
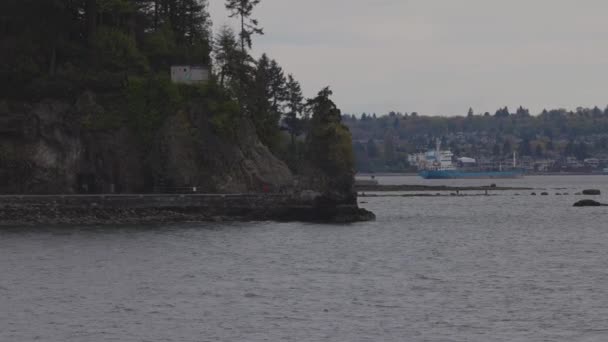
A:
[(149, 101), (330, 141), (121, 51), (59, 47)]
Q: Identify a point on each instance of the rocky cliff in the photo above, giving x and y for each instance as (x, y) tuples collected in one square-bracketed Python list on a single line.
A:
[(50, 147)]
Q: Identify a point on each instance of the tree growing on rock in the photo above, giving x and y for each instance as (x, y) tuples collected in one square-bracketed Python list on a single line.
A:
[(265, 99), (295, 107), (243, 9), (330, 147), (226, 53)]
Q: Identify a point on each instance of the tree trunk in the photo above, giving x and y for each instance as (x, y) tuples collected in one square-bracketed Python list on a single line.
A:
[(91, 18), (243, 32), (222, 73), (53, 63), (156, 9)]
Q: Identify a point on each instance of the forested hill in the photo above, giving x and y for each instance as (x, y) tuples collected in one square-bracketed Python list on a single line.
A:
[(559, 139), (87, 103), (53, 46)]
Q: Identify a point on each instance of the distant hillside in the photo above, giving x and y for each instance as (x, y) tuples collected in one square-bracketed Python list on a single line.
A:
[(553, 140)]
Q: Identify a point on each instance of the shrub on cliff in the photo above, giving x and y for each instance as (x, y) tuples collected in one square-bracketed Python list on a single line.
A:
[(149, 102), (117, 51), (223, 112)]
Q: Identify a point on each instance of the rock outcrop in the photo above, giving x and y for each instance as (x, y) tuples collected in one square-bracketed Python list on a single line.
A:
[(47, 148), (589, 203), (56, 147), (189, 153)]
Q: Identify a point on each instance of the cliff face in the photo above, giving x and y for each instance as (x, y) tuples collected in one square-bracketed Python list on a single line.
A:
[(190, 153), (45, 148)]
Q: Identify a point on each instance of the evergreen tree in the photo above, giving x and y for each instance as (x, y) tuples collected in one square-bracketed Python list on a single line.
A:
[(502, 113), (525, 149), (243, 9), (389, 148), (97, 42), (330, 147), (569, 149), (372, 149), (227, 54), (295, 106), (581, 151), (266, 99), (597, 113), (277, 85), (539, 151), (522, 112), (496, 150), (506, 148)]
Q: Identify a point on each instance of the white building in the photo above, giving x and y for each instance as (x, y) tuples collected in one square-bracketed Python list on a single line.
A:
[(543, 165), (189, 74), (592, 162), (573, 162)]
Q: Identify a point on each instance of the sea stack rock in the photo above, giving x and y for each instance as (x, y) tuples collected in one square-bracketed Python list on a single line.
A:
[(588, 203), (592, 192)]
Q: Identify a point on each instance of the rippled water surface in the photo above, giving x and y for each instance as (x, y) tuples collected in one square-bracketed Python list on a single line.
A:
[(495, 268)]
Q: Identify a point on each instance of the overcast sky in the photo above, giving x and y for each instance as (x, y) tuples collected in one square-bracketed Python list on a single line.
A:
[(440, 57)]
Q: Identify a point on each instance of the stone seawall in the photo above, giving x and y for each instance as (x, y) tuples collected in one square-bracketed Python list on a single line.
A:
[(135, 209)]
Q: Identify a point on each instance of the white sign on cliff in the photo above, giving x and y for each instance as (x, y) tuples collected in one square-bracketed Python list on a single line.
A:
[(189, 74)]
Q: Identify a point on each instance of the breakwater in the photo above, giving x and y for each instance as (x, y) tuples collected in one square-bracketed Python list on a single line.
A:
[(159, 208), (408, 187)]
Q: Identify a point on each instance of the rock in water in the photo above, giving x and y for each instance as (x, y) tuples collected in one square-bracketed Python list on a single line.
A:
[(588, 203), (593, 192)]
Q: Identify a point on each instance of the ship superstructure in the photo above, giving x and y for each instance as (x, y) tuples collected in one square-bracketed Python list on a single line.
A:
[(442, 164)]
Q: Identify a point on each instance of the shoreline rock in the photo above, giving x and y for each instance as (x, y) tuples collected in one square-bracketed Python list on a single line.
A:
[(589, 203), (158, 209)]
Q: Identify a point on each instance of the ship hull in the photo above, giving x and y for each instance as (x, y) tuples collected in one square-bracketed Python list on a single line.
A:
[(456, 174)]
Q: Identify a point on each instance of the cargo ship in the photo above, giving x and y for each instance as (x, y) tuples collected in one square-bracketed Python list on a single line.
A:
[(456, 174), (440, 164)]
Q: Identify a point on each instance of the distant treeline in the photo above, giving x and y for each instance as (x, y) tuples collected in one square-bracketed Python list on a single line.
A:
[(382, 143)]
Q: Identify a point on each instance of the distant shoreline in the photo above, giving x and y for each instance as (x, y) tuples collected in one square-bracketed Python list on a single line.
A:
[(410, 174), (409, 187)]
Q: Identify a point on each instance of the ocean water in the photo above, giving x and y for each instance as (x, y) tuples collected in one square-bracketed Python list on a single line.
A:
[(487, 268)]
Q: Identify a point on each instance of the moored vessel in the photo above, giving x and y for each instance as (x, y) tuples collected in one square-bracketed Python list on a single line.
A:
[(441, 164), (457, 174)]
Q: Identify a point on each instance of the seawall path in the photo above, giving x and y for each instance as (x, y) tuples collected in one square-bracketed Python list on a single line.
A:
[(159, 208)]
